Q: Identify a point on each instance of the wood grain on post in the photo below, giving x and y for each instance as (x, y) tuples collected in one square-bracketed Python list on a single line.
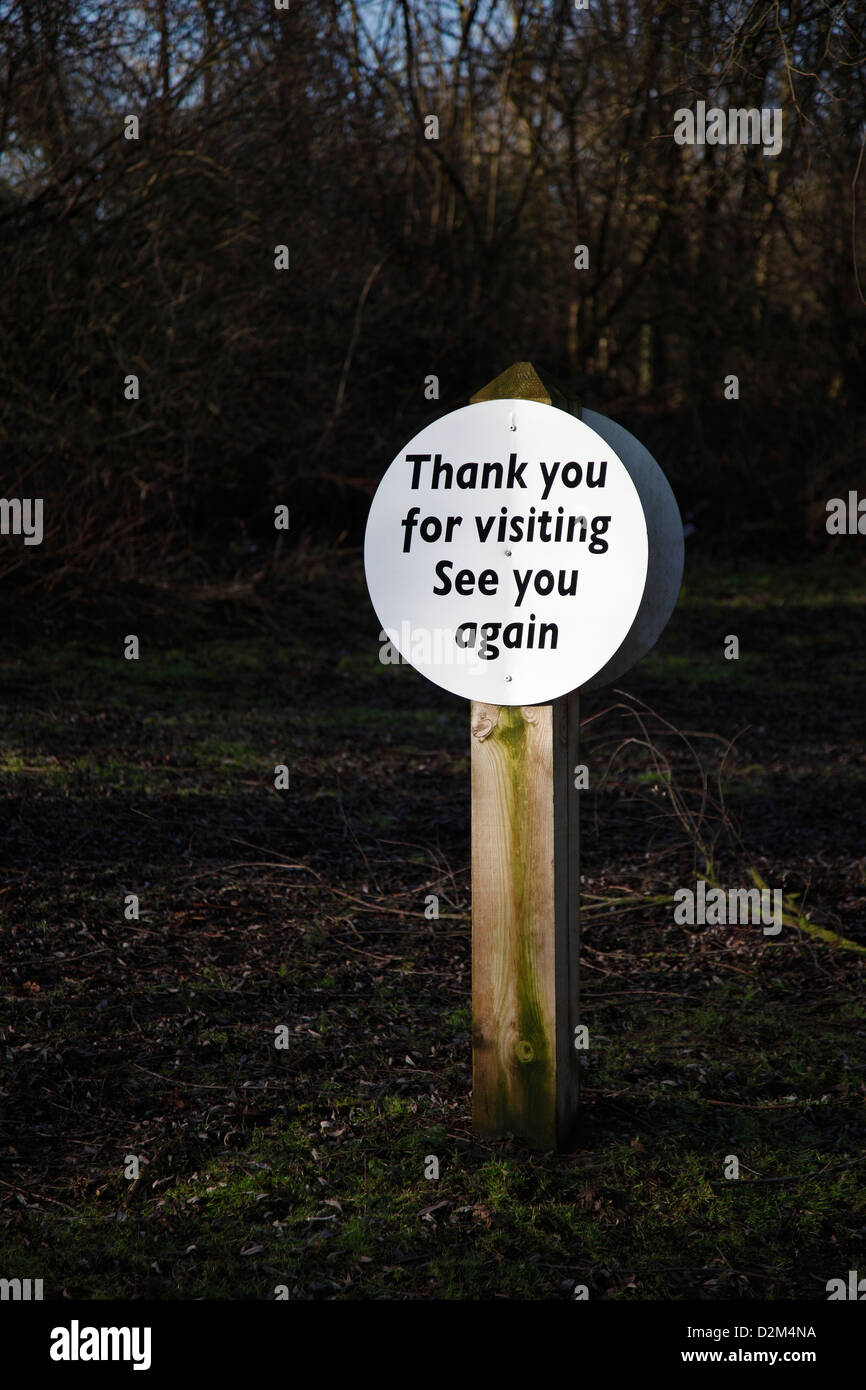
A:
[(525, 898)]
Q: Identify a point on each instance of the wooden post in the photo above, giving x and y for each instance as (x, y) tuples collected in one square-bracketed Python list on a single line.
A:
[(525, 900)]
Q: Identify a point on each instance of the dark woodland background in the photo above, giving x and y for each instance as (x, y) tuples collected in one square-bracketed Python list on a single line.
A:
[(303, 1169), (412, 257)]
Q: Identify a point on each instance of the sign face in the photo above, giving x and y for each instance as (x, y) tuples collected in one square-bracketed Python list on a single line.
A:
[(506, 552)]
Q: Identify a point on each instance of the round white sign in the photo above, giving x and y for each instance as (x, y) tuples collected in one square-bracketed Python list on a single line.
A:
[(506, 552)]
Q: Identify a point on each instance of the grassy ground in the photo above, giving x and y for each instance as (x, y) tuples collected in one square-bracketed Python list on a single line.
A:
[(304, 1167)]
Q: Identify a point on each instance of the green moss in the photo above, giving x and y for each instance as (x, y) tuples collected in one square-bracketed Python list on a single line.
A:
[(525, 1091)]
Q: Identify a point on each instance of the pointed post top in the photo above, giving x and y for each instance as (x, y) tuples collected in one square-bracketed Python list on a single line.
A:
[(521, 382)]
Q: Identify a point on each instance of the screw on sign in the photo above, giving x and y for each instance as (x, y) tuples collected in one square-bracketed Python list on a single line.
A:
[(516, 554)]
